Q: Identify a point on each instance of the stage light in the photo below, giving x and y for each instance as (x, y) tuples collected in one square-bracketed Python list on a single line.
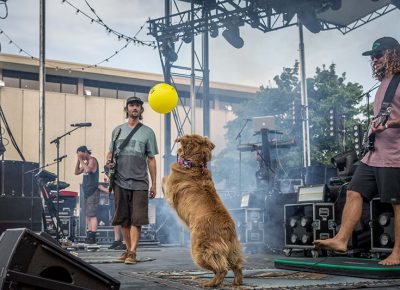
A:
[(293, 238), (310, 193), (167, 49), (308, 18), (213, 30), (344, 162), (384, 219), (384, 239), (306, 238), (254, 19), (305, 221), (232, 36), (293, 222), (187, 36)]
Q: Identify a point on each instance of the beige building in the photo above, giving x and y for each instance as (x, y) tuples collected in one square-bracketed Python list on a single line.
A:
[(78, 93)]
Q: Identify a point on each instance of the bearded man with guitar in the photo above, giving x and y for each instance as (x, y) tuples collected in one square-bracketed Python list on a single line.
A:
[(131, 156), (379, 171)]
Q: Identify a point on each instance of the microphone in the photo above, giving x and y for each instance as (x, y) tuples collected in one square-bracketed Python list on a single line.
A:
[(60, 158), (81, 125)]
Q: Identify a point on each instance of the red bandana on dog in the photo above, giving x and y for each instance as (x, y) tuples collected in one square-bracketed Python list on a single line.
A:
[(189, 164)]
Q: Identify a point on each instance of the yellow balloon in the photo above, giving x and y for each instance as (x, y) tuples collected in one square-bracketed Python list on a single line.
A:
[(163, 98)]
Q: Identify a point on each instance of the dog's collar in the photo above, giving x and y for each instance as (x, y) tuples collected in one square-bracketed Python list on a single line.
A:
[(189, 164)]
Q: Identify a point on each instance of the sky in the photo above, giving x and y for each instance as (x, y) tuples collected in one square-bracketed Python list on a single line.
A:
[(71, 37)]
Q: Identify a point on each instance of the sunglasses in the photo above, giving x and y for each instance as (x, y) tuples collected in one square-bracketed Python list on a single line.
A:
[(377, 55)]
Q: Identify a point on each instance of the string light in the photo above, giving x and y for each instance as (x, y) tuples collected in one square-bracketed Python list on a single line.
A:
[(10, 41), (69, 69), (108, 29)]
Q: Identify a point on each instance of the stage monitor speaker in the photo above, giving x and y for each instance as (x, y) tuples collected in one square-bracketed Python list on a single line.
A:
[(29, 261)]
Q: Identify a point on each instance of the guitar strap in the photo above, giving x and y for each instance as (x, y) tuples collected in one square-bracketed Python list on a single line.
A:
[(125, 142), (390, 92)]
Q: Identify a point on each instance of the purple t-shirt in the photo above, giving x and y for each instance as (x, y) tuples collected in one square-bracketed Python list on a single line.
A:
[(387, 142)]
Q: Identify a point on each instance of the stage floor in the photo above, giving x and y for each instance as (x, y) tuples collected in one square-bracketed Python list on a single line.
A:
[(171, 267)]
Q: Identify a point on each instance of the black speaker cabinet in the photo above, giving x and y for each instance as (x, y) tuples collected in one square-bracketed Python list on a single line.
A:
[(382, 226), (14, 179), (306, 222), (20, 212), (29, 261)]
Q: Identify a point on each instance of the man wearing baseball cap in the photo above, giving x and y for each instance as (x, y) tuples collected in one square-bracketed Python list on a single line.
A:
[(378, 173), (87, 165), (131, 186)]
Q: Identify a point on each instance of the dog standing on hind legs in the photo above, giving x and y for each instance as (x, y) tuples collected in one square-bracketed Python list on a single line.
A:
[(189, 189)]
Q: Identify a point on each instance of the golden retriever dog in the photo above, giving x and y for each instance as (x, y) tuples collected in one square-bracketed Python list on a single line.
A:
[(189, 189)]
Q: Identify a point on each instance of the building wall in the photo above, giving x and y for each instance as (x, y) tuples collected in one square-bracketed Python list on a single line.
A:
[(21, 109)]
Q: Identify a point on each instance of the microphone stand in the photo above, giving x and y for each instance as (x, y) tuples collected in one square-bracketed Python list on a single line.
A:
[(47, 198), (239, 137), (56, 141)]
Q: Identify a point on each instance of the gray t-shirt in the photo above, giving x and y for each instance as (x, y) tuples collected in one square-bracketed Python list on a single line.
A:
[(131, 172)]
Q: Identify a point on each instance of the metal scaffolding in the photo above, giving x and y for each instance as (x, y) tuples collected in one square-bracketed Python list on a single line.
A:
[(207, 17)]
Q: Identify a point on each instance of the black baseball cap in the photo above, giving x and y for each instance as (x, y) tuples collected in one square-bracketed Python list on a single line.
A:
[(134, 100), (83, 149), (382, 44)]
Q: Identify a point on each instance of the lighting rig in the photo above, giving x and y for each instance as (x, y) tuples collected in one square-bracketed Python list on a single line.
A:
[(208, 17)]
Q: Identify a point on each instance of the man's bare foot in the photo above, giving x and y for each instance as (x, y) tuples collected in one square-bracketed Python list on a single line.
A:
[(331, 244), (392, 260)]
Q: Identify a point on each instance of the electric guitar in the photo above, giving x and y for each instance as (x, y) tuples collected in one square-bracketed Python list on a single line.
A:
[(369, 137), (114, 160)]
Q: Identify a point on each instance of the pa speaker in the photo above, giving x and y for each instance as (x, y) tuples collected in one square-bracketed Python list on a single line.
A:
[(29, 261), (20, 212)]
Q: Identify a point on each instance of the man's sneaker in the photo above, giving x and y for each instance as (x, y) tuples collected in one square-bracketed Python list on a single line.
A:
[(122, 258), (121, 246), (115, 244), (131, 258)]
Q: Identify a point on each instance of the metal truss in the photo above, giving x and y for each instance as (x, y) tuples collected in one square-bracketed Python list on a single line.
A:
[(206, 18), (258, 14), (360, 22)]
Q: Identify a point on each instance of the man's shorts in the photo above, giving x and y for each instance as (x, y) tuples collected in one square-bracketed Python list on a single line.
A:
[(377, 181), (131, 207), (92, 203)]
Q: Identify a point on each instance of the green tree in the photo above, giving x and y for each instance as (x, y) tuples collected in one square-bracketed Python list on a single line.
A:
[(326, 91)]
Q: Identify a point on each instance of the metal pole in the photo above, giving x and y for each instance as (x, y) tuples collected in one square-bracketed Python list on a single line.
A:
[(192, 77), (42, 74), (304, 100), (206, 77), (167, 117)]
